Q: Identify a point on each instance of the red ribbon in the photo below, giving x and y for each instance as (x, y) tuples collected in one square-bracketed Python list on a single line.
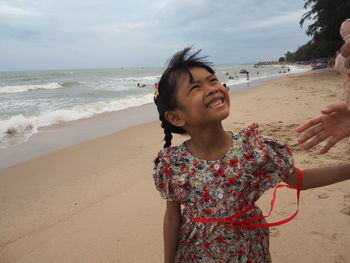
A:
[(228, 222)]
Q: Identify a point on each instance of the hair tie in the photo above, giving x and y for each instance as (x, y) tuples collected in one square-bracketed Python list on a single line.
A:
[(156, 93)]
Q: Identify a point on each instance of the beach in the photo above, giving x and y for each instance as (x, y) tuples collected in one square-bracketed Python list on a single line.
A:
[(95, 201)]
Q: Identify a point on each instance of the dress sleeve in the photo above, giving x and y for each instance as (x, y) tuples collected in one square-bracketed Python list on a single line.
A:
[(278, 163), (268, 159), (170, 181)]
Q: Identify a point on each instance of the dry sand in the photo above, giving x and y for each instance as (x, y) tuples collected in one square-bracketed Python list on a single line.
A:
[(96, 201)]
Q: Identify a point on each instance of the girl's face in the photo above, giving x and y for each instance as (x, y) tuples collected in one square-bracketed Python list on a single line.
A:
[(202, 101)]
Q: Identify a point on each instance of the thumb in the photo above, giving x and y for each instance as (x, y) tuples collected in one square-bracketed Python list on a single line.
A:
[(334, 108)]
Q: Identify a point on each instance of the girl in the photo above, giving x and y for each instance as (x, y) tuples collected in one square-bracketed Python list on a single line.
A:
[(217, 175)]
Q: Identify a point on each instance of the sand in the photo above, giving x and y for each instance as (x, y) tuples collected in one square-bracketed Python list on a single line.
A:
[(96, 201)]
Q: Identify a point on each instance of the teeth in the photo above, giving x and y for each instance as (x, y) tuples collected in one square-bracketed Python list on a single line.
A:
[(215, 103)]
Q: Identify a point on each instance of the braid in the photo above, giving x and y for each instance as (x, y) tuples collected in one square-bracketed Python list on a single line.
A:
[(167, 127), (167, 138)]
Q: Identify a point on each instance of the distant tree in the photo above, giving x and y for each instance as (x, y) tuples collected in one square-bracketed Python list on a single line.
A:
[(305, 52), (327, 16), (289, 56), (281, 59)]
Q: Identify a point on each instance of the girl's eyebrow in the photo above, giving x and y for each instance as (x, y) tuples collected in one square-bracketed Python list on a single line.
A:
[(193, 81)]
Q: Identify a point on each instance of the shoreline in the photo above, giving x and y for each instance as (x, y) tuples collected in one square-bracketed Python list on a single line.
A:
[(59, 136), (96, 201)]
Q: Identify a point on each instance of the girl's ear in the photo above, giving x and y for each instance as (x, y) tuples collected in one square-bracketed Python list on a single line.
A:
[(174, 117)]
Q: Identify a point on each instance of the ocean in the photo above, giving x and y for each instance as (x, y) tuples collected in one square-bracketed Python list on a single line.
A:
[(31, 100)]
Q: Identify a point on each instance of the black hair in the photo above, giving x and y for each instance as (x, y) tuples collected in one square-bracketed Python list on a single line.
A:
[(180, 63)]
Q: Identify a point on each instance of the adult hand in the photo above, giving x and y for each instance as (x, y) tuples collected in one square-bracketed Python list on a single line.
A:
[(342, 61), (334, 123), (345, 52)]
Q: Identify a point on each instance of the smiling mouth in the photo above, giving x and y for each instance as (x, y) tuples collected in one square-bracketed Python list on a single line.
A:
[(216, 103)]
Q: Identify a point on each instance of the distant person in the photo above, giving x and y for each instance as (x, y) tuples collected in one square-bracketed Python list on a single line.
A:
[(217, 176), (331, 62), (141, 86), (247, 73)]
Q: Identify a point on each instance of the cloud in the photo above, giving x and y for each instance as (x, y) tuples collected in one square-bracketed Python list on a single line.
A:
[(283, 18), (130, 32), (124, 27), (6, 9)]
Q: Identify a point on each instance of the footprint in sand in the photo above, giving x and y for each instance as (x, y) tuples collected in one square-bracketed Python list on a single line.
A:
[(274, 232), (293, 125), (332, 237), (346, 211), (305, 162), (323, 196), (275, 130), (339, 259)]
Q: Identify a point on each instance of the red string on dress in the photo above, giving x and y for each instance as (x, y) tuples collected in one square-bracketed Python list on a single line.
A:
[(228, 222)]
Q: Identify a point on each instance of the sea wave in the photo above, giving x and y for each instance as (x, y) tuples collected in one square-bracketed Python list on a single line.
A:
[(69, 83), (140, 79), (242, 79), (24, 88), (21, 124)]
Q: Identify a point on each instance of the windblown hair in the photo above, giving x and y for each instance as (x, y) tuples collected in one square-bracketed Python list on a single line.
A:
[(179, 64)]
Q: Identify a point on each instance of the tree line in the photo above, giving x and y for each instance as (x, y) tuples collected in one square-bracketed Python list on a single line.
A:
[(327, 16)]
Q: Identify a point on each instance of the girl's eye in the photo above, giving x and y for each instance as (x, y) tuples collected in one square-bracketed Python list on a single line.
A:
[(194, 87), (214, 80)]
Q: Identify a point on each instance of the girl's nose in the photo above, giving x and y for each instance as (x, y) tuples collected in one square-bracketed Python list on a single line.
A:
[(211, 89)]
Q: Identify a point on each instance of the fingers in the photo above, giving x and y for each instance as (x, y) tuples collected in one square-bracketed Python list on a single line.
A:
[(329, 145), (345, 50), (347, 62), (337, 107), (319, 135), (308, 124)]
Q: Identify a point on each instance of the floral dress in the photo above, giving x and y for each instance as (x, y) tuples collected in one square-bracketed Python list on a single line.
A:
[(220, 189)]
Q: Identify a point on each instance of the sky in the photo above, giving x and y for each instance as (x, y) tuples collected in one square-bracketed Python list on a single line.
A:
[(72, 34)]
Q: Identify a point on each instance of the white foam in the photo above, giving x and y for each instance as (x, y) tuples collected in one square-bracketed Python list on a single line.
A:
[(238, 81), (30, 124), (293, 69), (24, 88), (146, 78), (298, 68)]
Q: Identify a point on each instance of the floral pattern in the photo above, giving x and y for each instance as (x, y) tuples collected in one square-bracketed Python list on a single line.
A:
[(219, 189)]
